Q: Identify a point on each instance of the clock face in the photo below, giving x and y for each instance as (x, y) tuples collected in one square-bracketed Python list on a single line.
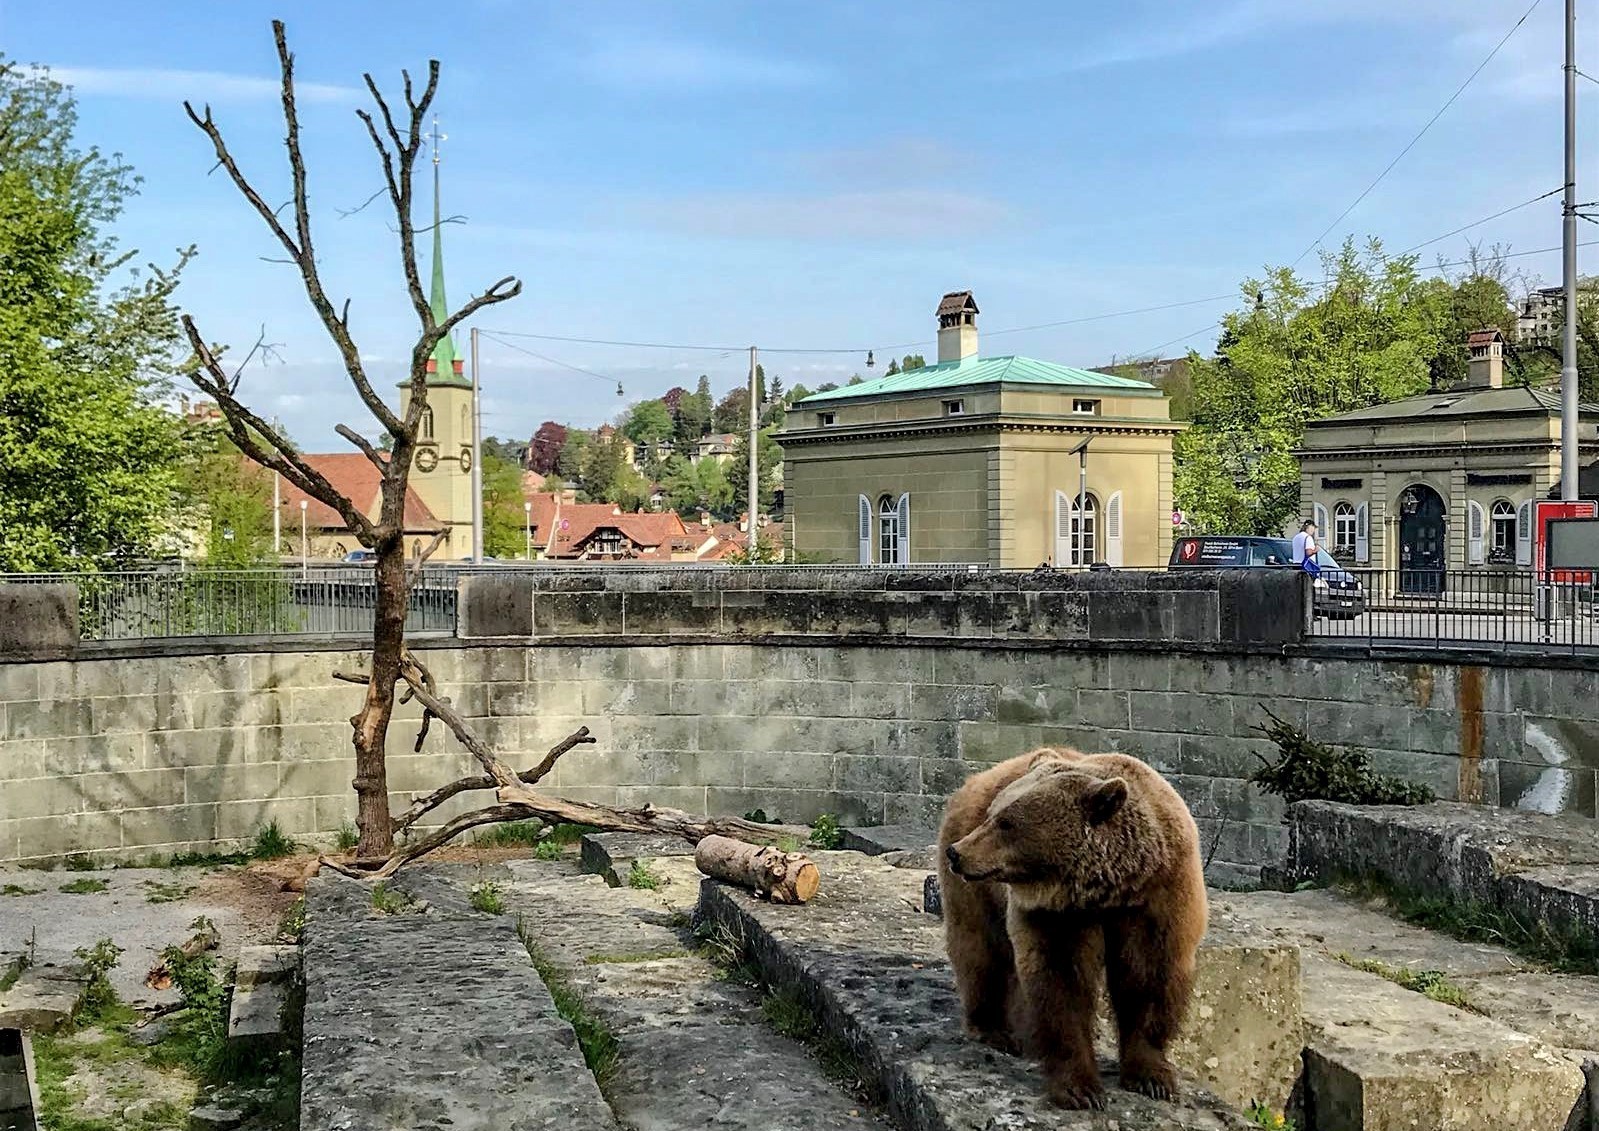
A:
[(466, 459), (427, 459)]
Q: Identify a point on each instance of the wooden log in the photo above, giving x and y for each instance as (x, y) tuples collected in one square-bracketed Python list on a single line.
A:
[(782, 877)]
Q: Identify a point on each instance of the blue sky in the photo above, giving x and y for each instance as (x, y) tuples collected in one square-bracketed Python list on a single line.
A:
[(812, 176)]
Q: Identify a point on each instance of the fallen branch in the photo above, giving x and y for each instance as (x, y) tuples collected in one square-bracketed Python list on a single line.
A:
[(439, 796), (782, 877)]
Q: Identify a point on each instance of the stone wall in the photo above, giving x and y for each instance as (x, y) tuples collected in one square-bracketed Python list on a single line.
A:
[(164, 752)]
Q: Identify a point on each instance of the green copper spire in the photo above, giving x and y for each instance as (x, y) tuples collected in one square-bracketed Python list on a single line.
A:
[(446, 367)]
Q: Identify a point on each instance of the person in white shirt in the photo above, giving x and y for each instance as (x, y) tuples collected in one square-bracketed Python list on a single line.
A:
[(1305, 543)]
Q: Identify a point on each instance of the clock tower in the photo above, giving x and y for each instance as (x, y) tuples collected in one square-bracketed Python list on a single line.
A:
[(442, 469)]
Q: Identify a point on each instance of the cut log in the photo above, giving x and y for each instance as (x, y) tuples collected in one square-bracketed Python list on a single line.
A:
[(782, 877), (205, 938)]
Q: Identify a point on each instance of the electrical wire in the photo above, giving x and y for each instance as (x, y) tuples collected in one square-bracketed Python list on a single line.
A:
[(1484, 220), (1420, 134), (494, 337)]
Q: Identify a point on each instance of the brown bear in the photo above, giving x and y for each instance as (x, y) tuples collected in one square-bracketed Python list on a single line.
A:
[(1060, 869)]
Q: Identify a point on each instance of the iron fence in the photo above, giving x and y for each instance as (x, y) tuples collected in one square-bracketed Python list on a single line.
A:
[(1509, 610), (327, 600)]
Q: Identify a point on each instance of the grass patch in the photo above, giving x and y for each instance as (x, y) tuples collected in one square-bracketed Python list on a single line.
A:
[(639, 956), (1566, 951), (79, 863), (388, 901), (157, 892), (788, 843), (271, 844), (89, 885), (1433, 984), (18, 889), (825, 832), (206, 859), (347, 837), (1262, 1116), (292, 925), (789, 1015), (511, 834), (548, 850), (600, 1049), (641, 876), (486, 897)]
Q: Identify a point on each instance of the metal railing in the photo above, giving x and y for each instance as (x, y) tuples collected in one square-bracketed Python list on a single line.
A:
[(325, 600), (1506, 610)]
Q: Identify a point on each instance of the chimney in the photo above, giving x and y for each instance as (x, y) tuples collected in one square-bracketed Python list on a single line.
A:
[(957, 327), (1487, 366)]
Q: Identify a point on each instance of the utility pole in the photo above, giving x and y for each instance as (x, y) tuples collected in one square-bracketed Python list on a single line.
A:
[(1568, 349), (755, 487), (477, 459)]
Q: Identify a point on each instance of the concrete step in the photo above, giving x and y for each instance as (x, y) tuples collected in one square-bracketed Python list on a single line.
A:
[(1378, 1054), (44, 996), (432, 1019), (1544, 869), (872, 966), (693, 1048)]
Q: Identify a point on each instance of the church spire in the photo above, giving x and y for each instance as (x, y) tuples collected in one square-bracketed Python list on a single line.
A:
[(444, 368)]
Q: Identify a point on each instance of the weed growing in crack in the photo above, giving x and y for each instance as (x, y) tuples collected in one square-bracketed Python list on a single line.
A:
[(271, 844), (347, 837), (601, 1052), (1433, 984), (642, 876), (486, 897), (157, 892), (388, 901)]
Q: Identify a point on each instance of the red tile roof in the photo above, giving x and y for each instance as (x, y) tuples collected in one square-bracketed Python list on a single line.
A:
[(353, 476)]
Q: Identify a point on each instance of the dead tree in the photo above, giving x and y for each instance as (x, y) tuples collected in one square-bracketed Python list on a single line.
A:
[(398, 140)]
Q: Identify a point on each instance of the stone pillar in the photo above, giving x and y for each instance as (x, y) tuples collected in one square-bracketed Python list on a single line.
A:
[(1459, 513), (1377, 523)]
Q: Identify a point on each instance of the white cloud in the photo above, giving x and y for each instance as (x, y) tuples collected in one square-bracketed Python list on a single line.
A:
[(679, 65), (195, 86)]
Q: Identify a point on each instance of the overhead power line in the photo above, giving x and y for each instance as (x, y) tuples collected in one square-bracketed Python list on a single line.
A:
[(1411, 144)]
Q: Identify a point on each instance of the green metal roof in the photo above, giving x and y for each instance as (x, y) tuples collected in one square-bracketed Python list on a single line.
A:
[(983, 371)]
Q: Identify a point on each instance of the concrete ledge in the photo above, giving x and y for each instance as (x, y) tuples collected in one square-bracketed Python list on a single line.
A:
[(1542, 868), (872, 969), (38, 622), (19, 1085)]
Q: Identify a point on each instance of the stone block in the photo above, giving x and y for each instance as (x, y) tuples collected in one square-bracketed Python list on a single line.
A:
[(43, 998), (38, 621), (612, 854), (260, 965), (494, 605), (256, 1015), (1382, 1058)]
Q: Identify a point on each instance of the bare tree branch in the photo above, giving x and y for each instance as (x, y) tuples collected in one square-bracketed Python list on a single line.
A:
[(377, 458), (427, 552), (425, 805)]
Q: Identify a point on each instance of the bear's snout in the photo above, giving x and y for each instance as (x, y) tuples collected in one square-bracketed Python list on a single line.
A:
[(952, 854)]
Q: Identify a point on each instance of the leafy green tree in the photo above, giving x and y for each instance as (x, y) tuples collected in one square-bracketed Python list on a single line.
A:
[(233, 500), (733, 411), (503, 518), (695, 412), (693, 487), (573, 454), (648, 422), (769, 455), (1294, 355), (604, 465), (912, 361), (91, 465)]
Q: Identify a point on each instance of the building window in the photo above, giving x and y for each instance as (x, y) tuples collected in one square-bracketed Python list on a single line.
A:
[(824, 419), (1343, 530), (954, 408), (1502, 526), (425, 426), (887, 530), (1083, 546), (1085, 408)]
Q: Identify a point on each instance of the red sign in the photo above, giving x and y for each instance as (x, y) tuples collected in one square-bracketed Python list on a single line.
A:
[(1542, 511)]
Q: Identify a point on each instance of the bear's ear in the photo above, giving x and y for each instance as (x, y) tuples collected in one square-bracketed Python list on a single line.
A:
[(1104, 800)]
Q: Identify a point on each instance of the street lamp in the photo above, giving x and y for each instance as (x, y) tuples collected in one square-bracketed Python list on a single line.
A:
[(305, 553), (527, 525)]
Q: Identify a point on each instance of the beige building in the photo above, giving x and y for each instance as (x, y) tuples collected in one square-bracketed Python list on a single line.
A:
[(981, 460), (1443, 481)]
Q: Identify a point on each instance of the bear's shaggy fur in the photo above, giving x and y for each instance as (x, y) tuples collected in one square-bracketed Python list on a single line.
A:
[(1060, 870)]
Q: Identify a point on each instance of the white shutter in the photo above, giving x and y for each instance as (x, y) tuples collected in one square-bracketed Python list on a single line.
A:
[(1113, 531), (1475, 521), (1363, 533), (866, 530), (905, 529), (1323, 531), (1063, 529), (1524, 534)]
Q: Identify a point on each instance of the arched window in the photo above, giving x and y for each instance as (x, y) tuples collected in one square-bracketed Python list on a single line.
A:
[(887, 530), (425, 426), (1083, 538), (1502, 527), (1343, 530)]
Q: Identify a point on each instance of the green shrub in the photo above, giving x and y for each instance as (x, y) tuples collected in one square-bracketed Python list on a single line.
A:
[(641, 876), (347, 837), (512, 833), (99, 996), (387, 900), (825, 832), (1262, 1116), (1313, 771), (271, 844), (89, 885), (486, 897)]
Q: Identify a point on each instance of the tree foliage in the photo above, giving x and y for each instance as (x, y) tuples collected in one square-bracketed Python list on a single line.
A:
[(733, 411), (1298, 352), (648, 422), (90, 463), (702, 485), (504, 535), (233, 501), (544, 450)]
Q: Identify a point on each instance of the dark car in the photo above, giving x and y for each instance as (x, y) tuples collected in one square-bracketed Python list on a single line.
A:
[(1337, 592)]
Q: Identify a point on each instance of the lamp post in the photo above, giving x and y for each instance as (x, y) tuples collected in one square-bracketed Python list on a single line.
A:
[(305, 550), (527, 525)]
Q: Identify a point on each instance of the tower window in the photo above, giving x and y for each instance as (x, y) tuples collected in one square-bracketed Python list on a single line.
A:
[(954, 408), (1085, 407), (425, 427), (825, 419)]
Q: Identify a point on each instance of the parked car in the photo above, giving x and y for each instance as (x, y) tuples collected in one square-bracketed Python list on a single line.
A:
[(361, 557), (1337, 593)]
